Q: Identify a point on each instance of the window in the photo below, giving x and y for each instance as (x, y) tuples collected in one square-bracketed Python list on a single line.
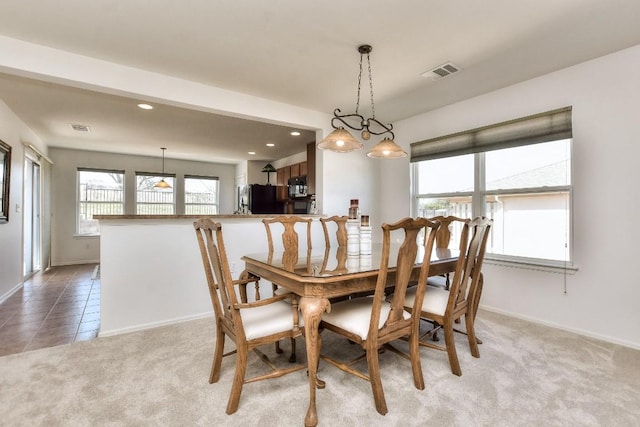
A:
[(515, 184), (151, 200), (100, 192), (200, 195)]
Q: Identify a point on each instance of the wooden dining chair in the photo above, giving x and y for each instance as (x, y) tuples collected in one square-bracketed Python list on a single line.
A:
[(290, 227), (373, 322), (443, 242), (442, 307), (248, 324), (335, 225), (339, 224)]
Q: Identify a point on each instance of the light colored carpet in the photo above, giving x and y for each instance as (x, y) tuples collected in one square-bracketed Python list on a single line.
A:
[(527, 375)]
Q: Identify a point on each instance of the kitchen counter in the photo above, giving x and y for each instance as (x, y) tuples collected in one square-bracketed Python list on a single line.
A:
[(233, 216)]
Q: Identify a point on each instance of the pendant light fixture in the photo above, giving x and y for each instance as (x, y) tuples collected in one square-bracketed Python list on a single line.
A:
[(162, 184), (386, 149), (341, 140)]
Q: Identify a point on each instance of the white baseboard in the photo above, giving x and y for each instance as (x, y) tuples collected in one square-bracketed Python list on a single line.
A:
[(62, 264), (612, 340), (153, 325), (605, 338), (10, 292)]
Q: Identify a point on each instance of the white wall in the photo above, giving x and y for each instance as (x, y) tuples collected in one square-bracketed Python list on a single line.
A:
[(347, 176), (602, 297), (67, 248), (255, 174), (15, 133), (143, 287)]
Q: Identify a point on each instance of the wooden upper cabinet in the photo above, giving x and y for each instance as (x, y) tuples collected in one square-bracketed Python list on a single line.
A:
[(307, 169), (280, 177), (295, 170), (311, 168)]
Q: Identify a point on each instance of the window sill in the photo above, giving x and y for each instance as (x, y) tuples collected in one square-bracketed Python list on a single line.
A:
[(86, 235), (532, 264)]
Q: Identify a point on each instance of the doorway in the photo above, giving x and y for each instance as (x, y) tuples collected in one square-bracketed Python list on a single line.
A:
[(32, 240)]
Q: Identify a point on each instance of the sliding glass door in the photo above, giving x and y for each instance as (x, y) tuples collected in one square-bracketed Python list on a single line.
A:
[(31, 217)]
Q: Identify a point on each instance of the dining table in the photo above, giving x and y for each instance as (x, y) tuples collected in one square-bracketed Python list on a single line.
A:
[(319, 275)]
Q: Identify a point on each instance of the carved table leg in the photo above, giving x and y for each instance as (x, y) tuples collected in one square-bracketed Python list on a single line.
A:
[(312, 309)]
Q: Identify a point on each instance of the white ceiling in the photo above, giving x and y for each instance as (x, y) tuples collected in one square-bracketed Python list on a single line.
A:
[(296, 52)]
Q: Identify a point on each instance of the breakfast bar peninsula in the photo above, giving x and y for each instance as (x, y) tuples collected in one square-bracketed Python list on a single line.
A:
[(151, 271)]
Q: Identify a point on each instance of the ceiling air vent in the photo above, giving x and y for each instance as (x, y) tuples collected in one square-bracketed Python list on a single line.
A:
[(441, 71), (79, 128)]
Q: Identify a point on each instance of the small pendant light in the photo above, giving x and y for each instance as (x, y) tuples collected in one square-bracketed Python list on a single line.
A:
[(162, 184)]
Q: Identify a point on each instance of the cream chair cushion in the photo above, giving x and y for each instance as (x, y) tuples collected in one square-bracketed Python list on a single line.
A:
[(267, 320), (435, 300), (439, 281), (354, 315), (280, 291)]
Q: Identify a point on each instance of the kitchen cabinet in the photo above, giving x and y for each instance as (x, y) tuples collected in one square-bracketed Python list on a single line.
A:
[(306, 169), (292, 171), (311, 168), (295, 170)]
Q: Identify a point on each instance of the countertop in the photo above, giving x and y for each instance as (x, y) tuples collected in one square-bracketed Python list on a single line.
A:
[(234, 216)]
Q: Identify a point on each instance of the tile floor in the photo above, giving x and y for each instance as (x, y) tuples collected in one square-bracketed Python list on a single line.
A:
[(55, 307)]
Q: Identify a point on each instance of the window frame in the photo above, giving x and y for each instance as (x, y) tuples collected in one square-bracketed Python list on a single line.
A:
[(79, 201), (216, 203), (479, 203), (173, 192)]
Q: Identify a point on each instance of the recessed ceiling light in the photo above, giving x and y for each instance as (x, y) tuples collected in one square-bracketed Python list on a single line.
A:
[(145, 106), (271, 144), (295, 133), (252, 152)]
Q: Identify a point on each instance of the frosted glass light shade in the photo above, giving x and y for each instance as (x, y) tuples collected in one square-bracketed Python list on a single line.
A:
[(387, 149), (340, 141)]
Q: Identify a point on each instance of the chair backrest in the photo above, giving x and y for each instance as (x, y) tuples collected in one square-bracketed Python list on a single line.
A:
[(340, 223), (408, 251), (340, 227), (469, 267), (290, 238), (447, 223), (218, 274), (290, 235)]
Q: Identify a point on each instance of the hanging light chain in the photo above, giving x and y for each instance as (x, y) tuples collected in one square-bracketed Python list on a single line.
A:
[(359, 83), (348, 120), (373, 110)]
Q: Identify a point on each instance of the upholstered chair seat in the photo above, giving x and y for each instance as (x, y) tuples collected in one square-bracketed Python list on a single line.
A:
[(260, 322), (354, 315)]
